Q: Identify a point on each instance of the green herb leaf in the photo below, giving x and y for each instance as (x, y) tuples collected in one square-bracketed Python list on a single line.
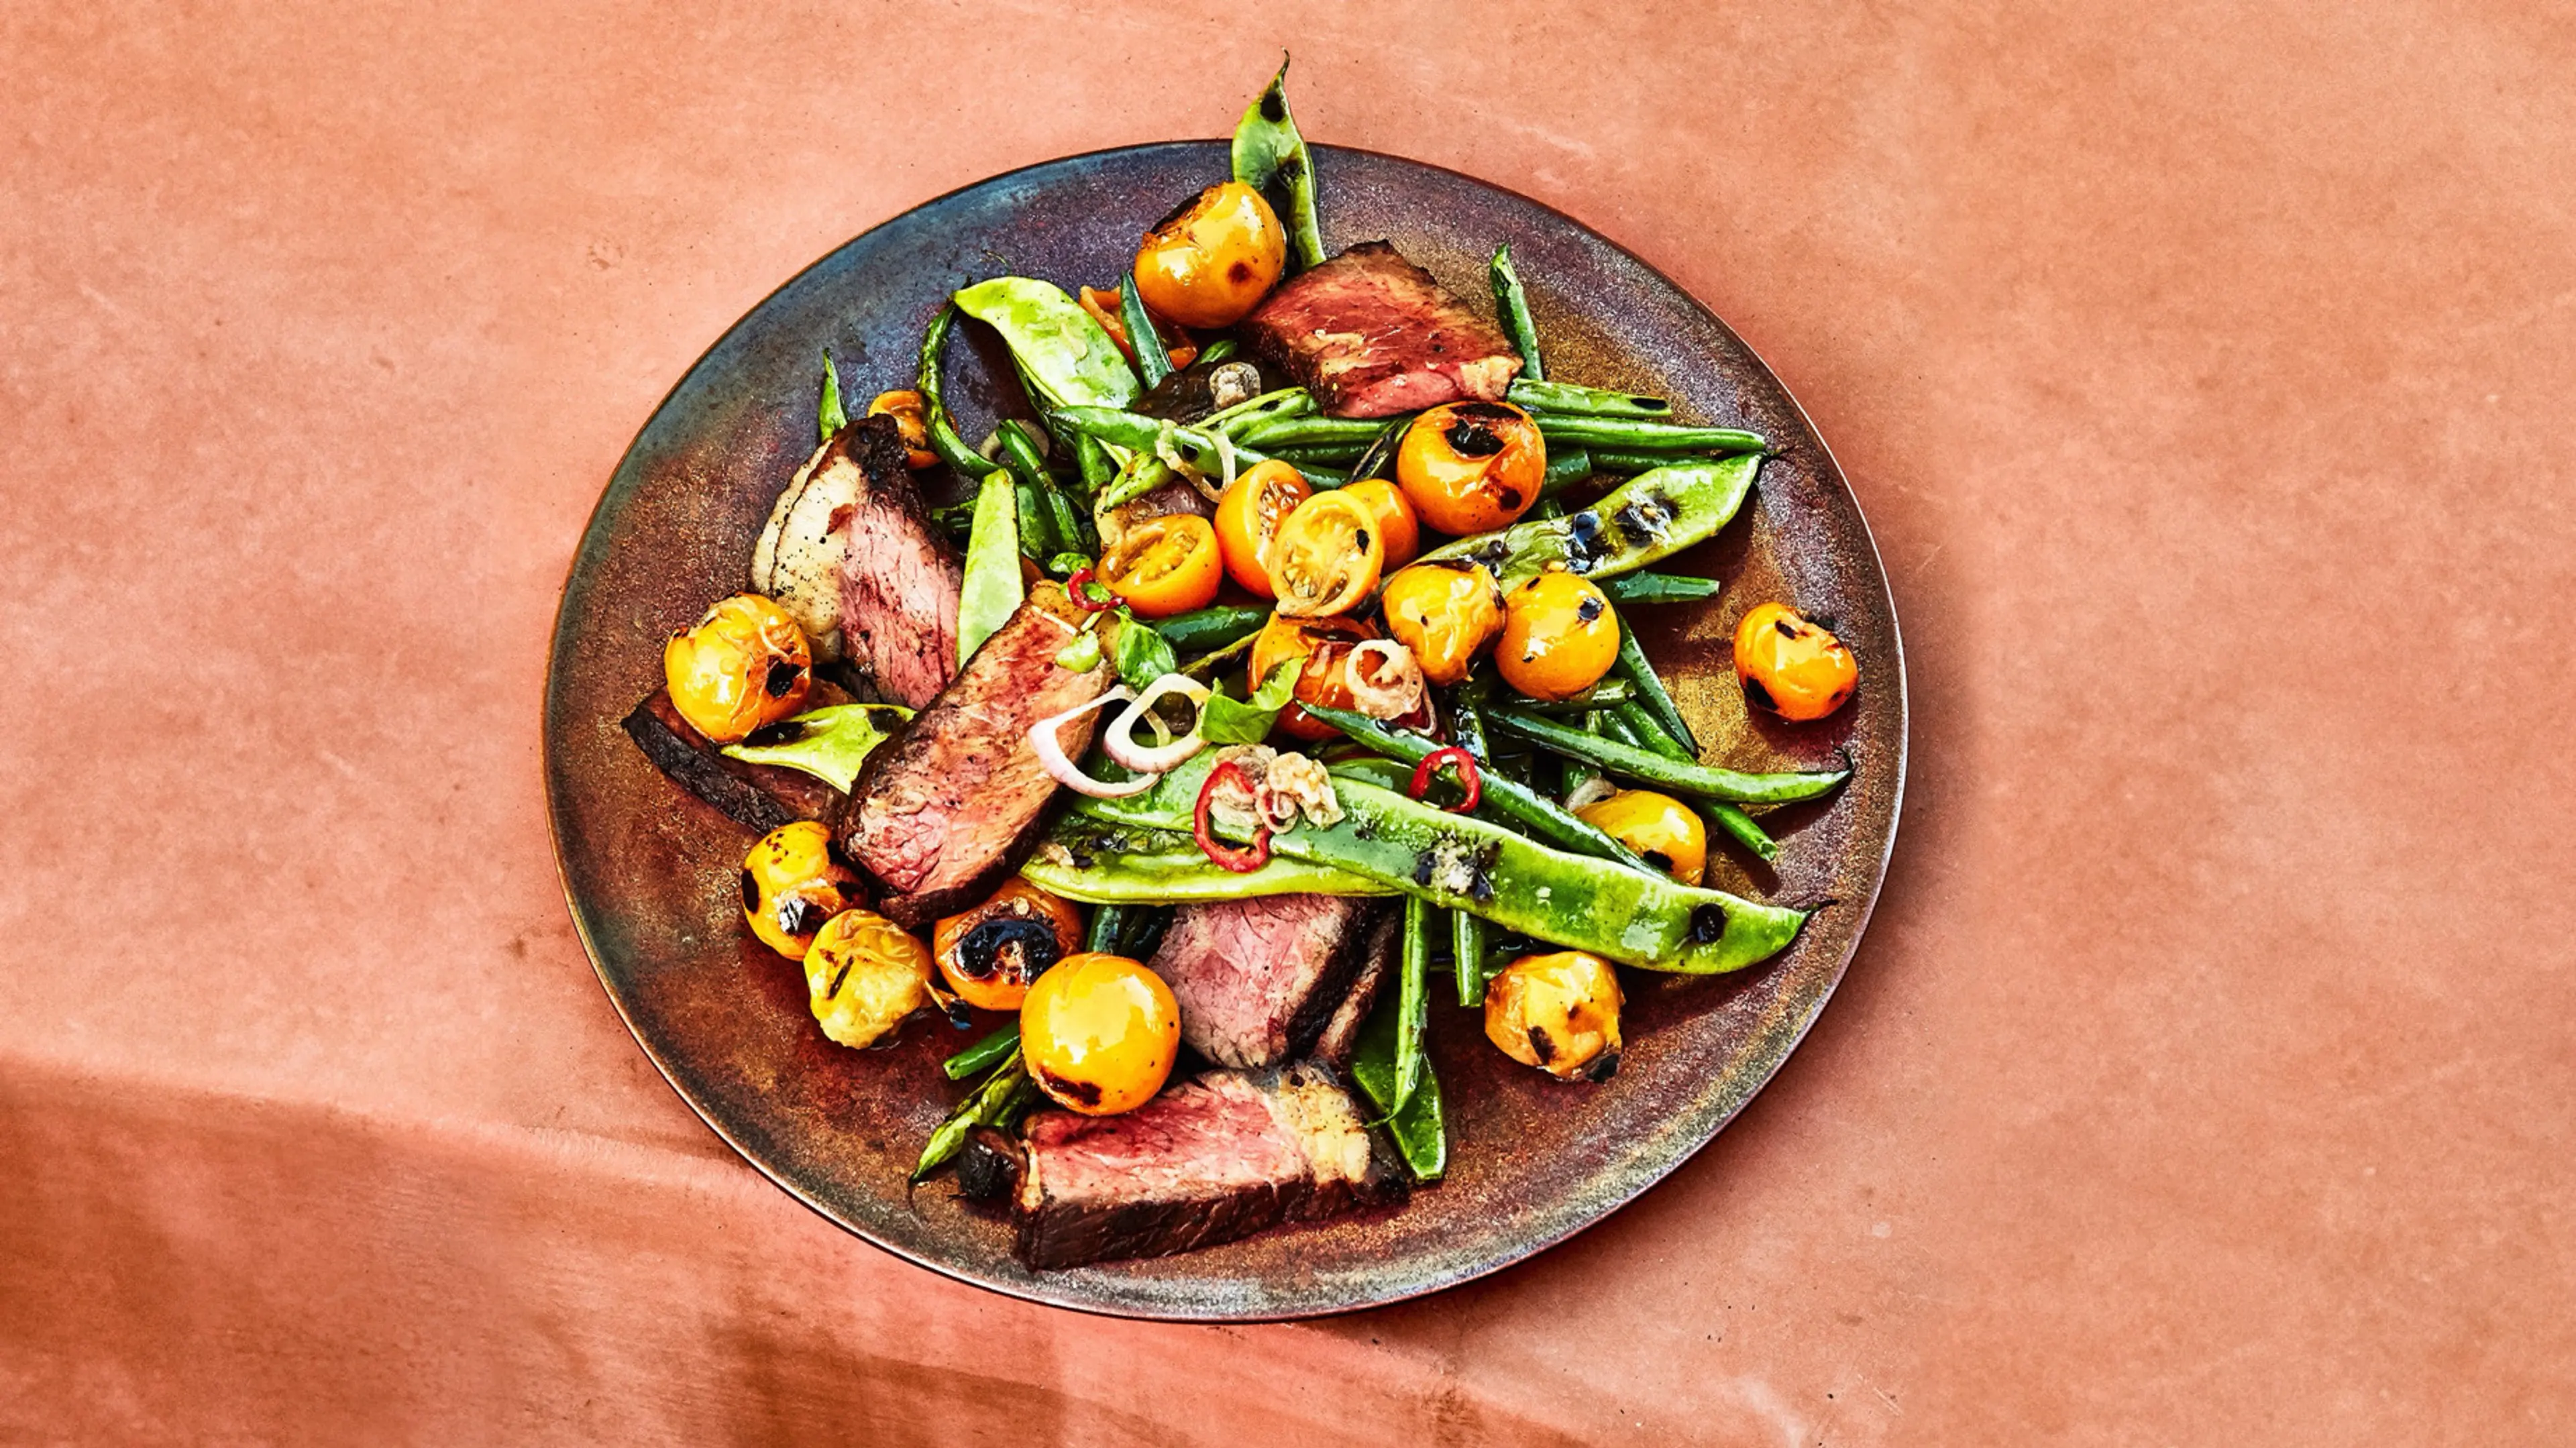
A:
[(1066, 356), (832, 744), (1082, 655), (1228, 720), (1141, 654), (829, 415)]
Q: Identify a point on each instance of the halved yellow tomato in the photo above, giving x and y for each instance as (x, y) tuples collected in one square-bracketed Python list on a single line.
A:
[(1165, 565), (1326, 556), (1248, 516)]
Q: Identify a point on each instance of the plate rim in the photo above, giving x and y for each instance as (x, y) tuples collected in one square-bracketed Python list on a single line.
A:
[(1034, 1291)]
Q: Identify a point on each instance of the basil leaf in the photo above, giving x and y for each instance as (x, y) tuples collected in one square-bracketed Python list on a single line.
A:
[(1228, 720), (829, 416), (828, 743), (1141, 654)]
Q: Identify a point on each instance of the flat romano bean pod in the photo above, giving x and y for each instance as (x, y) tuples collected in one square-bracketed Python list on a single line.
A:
[(1645, 520), (1503, 796), (1659, 588), (1702, 780), (1267, 148)]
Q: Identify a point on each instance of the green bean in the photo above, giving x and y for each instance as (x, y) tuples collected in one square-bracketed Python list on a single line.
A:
[(1511, 307), (1565, 468), (1534, 394), (1467, 726), (1212, 627), (1107, 922), (1633, 666), (1659, 588), (986, 1052), (1638, 435), (1638, 727), (1098, 468), (1501, 795), (1135, 430), (1379, 460), (1063, 523), (952, 449), (1625, 463), (1419, 1132), (1307, 431), (1600, 696), (985, 1105), (1152, 363), (1467, 944), (1277, 402), (1337, 455), (1700, 780), (1219, 350), (1217, 661), (1267, 148), (1412, 1001), (1740, 827)]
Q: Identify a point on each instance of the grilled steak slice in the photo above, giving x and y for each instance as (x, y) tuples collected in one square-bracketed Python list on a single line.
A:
[(949, 806), (1377, 962), (899, 577), (1210, 1160), (1372, 335), (1256, 979), (762, 796)]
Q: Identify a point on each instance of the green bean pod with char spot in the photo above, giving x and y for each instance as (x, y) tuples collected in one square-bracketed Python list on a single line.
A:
[(1646, 766)]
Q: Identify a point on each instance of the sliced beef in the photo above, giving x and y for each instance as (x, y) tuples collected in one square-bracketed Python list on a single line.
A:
[(762, 796), (952, 803), (1372, 335), (899, 577), (1209, 1160), (1257, 979), (1341, 1033)]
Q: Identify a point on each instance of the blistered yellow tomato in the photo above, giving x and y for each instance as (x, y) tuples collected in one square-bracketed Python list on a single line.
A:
[(1396, 523), (1212, 261), (1165, 565), (912, 419), (1667, 832), (1248, 517), (745, 664), (1099, 1033), (791, 885), (1325, 679), (1790, 666), (1557, 1012), (1326, 556), (1559, 636), (993, 953), (864, 975), (1446, 611), (1471, 466)]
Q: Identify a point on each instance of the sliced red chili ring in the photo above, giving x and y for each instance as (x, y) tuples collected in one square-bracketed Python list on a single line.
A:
[(1085, 600), (1467, 778), (1203, 824)]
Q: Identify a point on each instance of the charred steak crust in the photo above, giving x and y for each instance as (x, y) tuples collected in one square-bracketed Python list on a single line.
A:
[(1257, 979), (1341, 1034), (761, 796), (1373, 335), (1212, 1159), (899, 576), (955, 800)]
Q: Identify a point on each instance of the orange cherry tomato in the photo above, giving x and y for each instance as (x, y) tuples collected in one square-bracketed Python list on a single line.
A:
[(1326, 556), (791, 885), (906, 408), (1446, 611), (1790, 666), (1100, 1033), (1325, 680), (1212, 260), (1472, 466), (1559, 636), (993, 953), (1248, 517), (1396, 521), (744, 664), (1165, 565)]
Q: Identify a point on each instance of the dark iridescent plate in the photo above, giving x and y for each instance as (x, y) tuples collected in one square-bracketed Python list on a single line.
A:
[(650, 873)]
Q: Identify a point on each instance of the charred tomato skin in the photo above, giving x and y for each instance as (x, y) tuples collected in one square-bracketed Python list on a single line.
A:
[(1557, 1012), (912, 419), (1099, 1033), (1790, 665), (1559, 637), (1446, 611), (1397, 524), (1211, 261), (791, 885), (993, 953), (1469, 467), (744, 664)]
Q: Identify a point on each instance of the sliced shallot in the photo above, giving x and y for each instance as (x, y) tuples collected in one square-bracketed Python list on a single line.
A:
[(1050, 749), (1385, 679), (1121, 743)]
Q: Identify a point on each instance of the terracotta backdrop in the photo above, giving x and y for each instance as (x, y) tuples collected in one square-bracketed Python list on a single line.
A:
[(2205, 369)]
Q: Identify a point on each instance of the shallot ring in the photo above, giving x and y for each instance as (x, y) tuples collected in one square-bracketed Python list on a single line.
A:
[(1050, 751), (1120, 741)]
